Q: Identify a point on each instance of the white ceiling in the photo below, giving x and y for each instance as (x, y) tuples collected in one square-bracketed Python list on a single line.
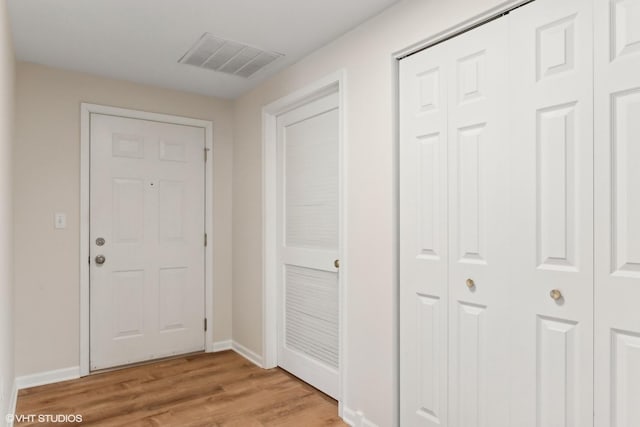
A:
[(142, 40)]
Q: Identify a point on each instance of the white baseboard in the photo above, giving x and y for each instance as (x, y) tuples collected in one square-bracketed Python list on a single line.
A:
[(356, 418), (247, 354), (13, 402), (48, 377), (220, 346)]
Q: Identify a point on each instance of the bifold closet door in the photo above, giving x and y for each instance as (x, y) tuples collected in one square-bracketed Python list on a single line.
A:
[(423, 238), (551, 113), (453, 211), (479, 248), (617, 210)]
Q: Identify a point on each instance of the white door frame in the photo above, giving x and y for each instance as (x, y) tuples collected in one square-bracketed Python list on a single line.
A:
[(85, 115), (332, 83)]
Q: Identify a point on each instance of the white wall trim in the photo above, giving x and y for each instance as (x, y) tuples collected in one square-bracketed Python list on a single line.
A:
[(13, 402), (47, 377), (251, 356), (326, 85), (356, 419), (85, 113), (221, 346), (459, 28)]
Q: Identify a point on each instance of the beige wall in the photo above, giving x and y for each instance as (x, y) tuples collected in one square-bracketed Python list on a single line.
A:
[(6, 225), (366, 55), (47, 180)]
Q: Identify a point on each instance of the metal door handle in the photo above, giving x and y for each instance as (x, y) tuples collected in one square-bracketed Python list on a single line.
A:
[(470, 283), (100, 259), (336, 263), (555, 294)]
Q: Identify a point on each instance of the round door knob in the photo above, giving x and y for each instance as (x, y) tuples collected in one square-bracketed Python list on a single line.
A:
[(470, 283), (336, 263), (555, 294), (100, 259)]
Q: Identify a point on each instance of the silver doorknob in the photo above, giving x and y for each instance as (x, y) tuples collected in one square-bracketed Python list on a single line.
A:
[(100, 259)]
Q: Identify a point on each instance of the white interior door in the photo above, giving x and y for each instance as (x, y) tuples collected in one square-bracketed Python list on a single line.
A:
[(147, 222), (424, 244), (453, 240), (309, 236), (479, 283), (617, 212), (551, 105)]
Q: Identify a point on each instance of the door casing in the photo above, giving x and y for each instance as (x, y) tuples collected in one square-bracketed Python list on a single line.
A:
[(332, 83), (86, 110)]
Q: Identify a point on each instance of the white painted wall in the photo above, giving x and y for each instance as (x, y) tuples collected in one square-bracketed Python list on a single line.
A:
[(47, 180), (366, 55), (6, 208)]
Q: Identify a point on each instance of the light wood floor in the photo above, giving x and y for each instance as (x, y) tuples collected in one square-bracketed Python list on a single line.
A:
[(221, 389)]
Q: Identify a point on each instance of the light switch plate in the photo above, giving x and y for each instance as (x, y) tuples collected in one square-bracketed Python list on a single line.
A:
[(60, 220)]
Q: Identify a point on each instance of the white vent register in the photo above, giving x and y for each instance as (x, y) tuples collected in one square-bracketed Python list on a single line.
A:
[(227, 56)]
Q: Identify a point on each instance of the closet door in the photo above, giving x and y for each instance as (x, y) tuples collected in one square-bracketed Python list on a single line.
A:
[(453, 208), (617, 210), (479, 247), (423, 238), (551, 83)]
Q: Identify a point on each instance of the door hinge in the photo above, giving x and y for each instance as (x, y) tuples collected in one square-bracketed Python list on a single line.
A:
[(205, 240), (89, 260), (206, 154), (205, 324)]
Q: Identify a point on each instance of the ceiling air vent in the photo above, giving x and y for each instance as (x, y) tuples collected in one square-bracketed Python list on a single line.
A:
[(227, 56)]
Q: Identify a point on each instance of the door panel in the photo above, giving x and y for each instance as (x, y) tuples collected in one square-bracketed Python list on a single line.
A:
[(617, 210), (479, 288), (423, 239), (308, 229), (453, 177), (551, 83), (147, 203)]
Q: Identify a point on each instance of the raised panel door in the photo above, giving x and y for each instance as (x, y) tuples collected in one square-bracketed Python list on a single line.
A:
[(147, 203), (423, 238), (478, 178), (617, 212), (551, 193)]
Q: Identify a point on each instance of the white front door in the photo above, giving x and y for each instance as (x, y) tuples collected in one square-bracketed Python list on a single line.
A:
[(147, 195), (308, 240)]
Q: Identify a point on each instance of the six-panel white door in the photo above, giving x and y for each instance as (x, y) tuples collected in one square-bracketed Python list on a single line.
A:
[(424, 244), (147, 204), (551, 87), (309, 242), (617, 212), (479, 287), (453, 210)]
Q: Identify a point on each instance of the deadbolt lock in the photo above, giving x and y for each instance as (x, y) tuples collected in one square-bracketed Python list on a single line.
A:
[(100, 241)]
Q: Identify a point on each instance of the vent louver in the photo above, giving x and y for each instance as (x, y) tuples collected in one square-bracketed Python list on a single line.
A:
[(228, 57)]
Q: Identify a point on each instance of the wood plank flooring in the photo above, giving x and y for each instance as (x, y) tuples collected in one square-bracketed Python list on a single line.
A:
[(220, 389)]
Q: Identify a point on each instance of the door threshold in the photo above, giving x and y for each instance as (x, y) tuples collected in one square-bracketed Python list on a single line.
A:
[(145, 362)]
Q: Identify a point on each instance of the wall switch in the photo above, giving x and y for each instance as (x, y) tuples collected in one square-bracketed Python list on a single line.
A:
[(60, 220)]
